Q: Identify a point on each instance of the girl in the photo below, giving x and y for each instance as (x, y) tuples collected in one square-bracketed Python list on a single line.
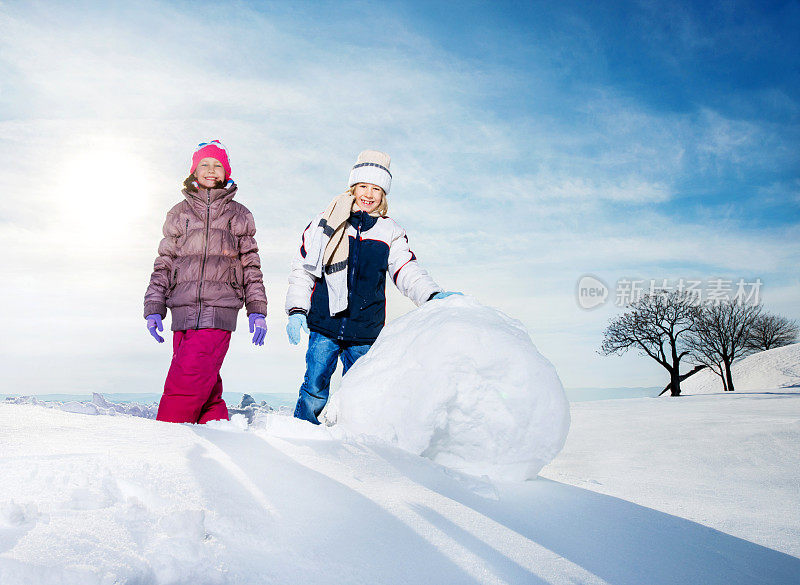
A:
[(338, 279), (207, 268)]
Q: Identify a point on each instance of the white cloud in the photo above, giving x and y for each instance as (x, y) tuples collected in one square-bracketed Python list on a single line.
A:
[(513, 210)]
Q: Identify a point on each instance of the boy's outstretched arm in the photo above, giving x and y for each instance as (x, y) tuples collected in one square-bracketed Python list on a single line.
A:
[(410, 278)]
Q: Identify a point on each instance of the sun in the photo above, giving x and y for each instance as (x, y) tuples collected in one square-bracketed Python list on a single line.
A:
[(107, 188)]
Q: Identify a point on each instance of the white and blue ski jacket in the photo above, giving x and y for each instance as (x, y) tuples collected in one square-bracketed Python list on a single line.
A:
[(377, 245)]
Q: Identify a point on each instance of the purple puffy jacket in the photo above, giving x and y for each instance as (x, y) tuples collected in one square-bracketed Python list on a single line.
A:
[(208, 264)]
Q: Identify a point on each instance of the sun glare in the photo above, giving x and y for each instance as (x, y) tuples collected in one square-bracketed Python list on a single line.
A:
[(107, 188)]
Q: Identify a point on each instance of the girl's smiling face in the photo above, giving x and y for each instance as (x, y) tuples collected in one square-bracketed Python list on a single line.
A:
[(368, 196), (209, 172)]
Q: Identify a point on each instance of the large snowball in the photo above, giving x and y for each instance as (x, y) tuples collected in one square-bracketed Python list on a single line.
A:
[(461, 384)]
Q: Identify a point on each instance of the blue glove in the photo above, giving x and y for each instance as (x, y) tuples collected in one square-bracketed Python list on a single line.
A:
[(443, 295), (258, 326), (153, 323), (297, 322)]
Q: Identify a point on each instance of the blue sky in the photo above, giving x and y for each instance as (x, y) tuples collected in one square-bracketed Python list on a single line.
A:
[(531, 144)]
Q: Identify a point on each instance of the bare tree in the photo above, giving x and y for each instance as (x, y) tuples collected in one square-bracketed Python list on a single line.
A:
[(717, 367), (771, 331), (657, 326), (688, 374), (721, 335)]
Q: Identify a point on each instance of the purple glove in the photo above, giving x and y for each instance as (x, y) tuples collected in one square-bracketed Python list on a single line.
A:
[(153, 323), (258, 326), (443, 295)]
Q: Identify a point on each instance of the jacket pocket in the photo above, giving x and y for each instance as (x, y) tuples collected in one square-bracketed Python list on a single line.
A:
[(234, 280), (173, 281)]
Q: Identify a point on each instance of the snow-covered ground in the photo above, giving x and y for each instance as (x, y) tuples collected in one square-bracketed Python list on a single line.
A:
[(695, 490), (692, 490), (775, 368), (730, 462)]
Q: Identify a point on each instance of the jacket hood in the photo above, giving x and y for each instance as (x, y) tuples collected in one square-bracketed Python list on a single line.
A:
[(228, 191), (200, 198)]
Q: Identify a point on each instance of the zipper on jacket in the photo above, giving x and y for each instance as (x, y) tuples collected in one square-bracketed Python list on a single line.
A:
[(186, 231), (352, 273), (205, 257)]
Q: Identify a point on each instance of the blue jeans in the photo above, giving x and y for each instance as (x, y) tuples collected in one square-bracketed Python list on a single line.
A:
[(320, 364)]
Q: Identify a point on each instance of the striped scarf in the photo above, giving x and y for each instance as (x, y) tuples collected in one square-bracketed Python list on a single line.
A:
[(328, 249)]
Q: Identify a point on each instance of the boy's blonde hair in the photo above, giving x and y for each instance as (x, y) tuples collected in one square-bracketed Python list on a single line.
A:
[(382, 209)]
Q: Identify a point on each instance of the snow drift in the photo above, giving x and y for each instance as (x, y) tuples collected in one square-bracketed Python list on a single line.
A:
[(777, 368), (461, 384)]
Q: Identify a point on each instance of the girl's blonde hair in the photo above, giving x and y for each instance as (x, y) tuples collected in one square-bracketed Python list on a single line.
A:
[(382, 209)]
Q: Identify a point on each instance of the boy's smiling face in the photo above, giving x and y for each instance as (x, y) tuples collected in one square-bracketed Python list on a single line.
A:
[(368, 196), (209, 172)]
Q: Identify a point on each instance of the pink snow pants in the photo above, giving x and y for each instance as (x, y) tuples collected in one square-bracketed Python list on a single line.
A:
[(193, 389)]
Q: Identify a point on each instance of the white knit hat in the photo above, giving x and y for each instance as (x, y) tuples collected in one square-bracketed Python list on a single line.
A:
[(372, 167)]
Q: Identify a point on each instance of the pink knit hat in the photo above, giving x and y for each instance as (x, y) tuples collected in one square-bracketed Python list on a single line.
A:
[(214, 149)]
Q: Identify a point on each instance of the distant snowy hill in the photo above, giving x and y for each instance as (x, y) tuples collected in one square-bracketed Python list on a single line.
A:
[(777, 368)]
